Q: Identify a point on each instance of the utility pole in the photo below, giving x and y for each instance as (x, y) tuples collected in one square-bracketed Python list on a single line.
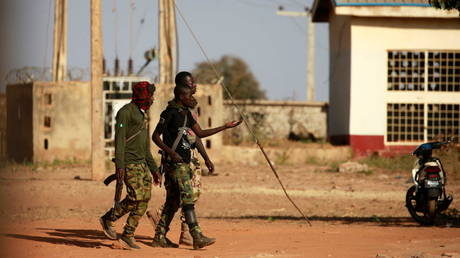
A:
[(168, 41), (310, 49), (97, 126), (59, 69)]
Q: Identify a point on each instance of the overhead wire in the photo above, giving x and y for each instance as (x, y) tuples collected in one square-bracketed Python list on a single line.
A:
[(243, 117), (297, 2), (132, 6), (255, 4), (139, 28), (297, 25)]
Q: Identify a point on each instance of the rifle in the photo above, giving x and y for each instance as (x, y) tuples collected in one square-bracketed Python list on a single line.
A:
[(118, 189), (163, 161), (112, 177)]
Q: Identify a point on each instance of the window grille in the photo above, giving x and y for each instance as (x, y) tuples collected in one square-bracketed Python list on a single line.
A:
[(406, 70), (443, 121), (444, 71), (404, 122)]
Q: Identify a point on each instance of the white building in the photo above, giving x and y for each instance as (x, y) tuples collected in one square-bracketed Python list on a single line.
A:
[(394, 73)]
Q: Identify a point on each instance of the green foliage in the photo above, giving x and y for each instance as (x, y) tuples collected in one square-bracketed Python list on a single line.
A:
[(375, 218), (334, 167), (446, 4), (367, 172), (236, 74), (282, 158), (396, 163), (450, 158), (56, 163)]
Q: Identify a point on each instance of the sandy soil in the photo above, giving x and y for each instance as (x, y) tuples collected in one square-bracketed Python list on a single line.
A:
[(46, 212)]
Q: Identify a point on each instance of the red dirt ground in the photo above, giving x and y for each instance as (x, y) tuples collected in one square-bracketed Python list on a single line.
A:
[(45, 212)]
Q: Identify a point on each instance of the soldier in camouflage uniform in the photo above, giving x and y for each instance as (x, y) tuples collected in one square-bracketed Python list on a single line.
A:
[(173, 125), (185, 78), (134, 163)]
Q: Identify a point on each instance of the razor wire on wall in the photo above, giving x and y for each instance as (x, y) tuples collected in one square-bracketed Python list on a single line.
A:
[(32, 73)]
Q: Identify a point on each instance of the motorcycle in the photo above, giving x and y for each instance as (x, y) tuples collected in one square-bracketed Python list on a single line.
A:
[(427, 197)]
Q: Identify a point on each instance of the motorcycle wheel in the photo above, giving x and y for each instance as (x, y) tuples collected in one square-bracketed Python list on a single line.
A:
[(431, 211), (411, 204)]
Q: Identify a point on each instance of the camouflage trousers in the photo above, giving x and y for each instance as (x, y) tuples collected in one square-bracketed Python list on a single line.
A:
[(196, 178), (138, 181), (179, 193)]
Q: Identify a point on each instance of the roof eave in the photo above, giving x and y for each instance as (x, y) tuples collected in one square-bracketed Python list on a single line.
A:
[(322, 8)]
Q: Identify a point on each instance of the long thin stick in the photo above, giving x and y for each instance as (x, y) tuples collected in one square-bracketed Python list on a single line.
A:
[(240, 112)]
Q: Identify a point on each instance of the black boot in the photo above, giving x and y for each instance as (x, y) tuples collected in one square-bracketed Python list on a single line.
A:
[(160, 239), (107, 225), (199, 240)]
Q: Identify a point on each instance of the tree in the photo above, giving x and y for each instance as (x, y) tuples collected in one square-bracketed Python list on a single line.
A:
[(446, 4), (237, 77)]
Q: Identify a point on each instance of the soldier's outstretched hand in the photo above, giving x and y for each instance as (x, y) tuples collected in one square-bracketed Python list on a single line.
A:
[(209, 165), (232, 124)]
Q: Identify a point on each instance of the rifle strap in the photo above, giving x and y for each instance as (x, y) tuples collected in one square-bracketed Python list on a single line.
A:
[(137, 133), (180, 133)]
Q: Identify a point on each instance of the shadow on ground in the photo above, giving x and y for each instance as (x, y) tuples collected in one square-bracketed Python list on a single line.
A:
[(373, 220), (74, 237)]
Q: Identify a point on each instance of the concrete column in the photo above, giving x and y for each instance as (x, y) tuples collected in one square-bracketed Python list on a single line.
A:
[(97, 128), (168, 41), (59, 66)]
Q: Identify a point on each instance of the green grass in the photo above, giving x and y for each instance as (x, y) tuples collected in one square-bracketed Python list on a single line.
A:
[(450, 158), (396, 163), (334, 167), (45, 164), (367, 172)]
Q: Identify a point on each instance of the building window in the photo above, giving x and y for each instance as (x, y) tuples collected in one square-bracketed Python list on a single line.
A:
[(444, 71), (423, 70), (405, 122), (406, 70), (106, 85), (208, 144), (48, 99), (443, 121), (126, 86), (47, 122)]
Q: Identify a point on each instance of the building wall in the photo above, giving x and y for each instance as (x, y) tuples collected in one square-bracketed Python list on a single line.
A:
[(49, 121), (278, 119), (69, 133), (2, 126), (370, 40), (19, 123), (339, 79)]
